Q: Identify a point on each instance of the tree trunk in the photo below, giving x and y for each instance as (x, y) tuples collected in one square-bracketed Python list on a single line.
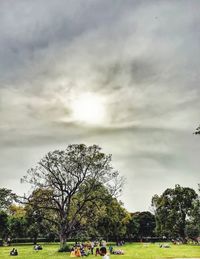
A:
[(35, 239), (63, 239), (182, 228)]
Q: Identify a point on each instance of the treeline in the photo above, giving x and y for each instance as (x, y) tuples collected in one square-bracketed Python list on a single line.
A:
[(75, 194), (176, 216)]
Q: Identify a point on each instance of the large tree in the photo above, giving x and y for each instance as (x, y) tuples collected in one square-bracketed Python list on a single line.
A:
[(172, 209), (68, 182)]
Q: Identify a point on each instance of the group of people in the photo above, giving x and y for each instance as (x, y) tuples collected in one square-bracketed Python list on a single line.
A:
[(96, 248), (84, 249)]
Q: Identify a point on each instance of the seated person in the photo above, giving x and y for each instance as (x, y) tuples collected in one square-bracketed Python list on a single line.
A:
[(72, 253), (103, 252), (82, 252), (97, 251), (164, 246), (77, 252), (37, 247), (118, 252), (13, 252)]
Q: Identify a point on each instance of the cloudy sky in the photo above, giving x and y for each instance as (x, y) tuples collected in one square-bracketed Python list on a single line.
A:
[(123, 74)]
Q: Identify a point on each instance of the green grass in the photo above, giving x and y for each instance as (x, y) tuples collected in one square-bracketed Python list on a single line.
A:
[(132, 251)]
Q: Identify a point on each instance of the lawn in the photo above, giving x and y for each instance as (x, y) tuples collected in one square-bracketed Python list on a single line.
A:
[(132, 251)]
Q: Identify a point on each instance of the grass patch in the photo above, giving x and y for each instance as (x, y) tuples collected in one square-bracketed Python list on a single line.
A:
[(132, 251)]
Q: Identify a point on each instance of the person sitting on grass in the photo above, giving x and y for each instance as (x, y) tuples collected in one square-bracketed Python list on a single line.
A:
[(72, 252), (13, 252), (118, 252), (97, 251), (37, 247), (164, 246), (78, 252), (84, 251), (103, 252)]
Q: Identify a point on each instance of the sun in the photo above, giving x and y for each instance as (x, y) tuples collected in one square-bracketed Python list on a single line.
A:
[(88, 108)]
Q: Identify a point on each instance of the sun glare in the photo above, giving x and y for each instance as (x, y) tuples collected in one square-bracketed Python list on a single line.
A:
[(88, 108)]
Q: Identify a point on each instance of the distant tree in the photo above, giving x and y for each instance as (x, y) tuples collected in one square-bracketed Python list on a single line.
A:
[(16, 221), (36, 216), (16, 211), (70, 180), (7, 197), (146, 224), (17, 227), (192, 231), (3, 224), (133, 227), (172, 209), (193, 223), (112, 225)]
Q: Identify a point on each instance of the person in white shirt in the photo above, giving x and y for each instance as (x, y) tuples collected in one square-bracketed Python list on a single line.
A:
[(103, 252)]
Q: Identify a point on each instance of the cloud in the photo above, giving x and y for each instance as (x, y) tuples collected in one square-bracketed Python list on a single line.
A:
[(141, 56)]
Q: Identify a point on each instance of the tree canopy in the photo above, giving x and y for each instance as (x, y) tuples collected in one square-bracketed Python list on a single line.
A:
[(67, 182), (7, 197), (146, 223), (172, 209)]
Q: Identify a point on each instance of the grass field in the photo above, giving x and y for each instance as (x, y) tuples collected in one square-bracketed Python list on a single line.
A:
[(132, 251)]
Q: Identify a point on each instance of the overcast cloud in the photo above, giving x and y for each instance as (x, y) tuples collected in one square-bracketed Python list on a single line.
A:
[(143, 57)]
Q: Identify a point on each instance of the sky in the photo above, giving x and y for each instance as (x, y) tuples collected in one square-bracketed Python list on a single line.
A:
[(134, 64)]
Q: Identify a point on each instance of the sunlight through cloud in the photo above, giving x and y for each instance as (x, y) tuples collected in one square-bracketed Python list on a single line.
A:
[(88, 108)]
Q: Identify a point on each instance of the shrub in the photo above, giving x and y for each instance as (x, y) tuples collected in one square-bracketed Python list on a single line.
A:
[(65, 248)]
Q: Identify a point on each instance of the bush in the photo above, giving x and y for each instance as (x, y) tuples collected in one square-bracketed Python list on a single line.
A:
[(65, 248)]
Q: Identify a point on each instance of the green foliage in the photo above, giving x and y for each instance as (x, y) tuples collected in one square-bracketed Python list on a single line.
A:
[(6, 198), (3, 224), (132, 228), (67, 187), (17, 226), (35, 217), (16, 211), (113, 223), (192, 231), (193, 223), (144, 224), (172, 209)]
